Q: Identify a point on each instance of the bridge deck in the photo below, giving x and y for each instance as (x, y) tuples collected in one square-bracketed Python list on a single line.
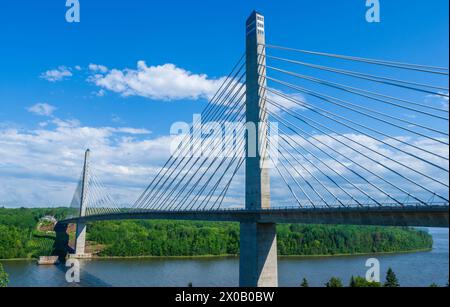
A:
[(425, 216)]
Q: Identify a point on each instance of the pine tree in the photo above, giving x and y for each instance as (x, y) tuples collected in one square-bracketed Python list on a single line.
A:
[(352, 282), (3, 277), (391, 279), (360, 282), (334, 282), (304, 283)]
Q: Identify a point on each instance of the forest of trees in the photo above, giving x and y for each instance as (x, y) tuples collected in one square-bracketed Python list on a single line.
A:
[(18, 235), (169, 238), (20, 239)]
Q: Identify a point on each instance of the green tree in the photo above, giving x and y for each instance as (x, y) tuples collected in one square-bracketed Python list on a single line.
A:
[(360, 282), (304, 283), (20, 239), (3, 277), (391, 279), (334, 282), (434, 285)]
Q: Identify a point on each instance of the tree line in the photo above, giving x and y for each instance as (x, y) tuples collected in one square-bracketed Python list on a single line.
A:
[(170, 238), (391, 281), (20, 239)]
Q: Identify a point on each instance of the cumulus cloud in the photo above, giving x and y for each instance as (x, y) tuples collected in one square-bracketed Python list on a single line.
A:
[(98, 68), (41, 166), (43, 109), (58, 74), (278, 104), (438, 100), (377, 163), (164, 82), (100, 93)]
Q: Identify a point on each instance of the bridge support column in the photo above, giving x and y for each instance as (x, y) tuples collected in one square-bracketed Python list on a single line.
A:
[(258, 258), (80, 239), (258, 247)]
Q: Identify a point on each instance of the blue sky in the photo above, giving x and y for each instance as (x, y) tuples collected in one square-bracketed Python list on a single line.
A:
[(201, 37)]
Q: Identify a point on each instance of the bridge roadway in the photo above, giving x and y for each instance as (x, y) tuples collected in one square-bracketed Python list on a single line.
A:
[(424, 216)]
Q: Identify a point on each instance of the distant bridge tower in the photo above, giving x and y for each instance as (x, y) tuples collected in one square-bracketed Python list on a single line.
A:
[(80, 240), (258, 241)]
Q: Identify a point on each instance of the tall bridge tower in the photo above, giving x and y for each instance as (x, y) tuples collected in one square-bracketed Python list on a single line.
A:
[(258, 241), (80, 239)]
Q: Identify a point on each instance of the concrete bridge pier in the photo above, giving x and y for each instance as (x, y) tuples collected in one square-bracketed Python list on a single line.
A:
[(258, 258), (61, 247), (80, 240)]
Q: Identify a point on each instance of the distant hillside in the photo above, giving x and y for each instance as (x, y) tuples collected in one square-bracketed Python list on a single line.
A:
[(169, 238)]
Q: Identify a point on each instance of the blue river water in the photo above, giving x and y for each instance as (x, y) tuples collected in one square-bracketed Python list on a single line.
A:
[(413, 269)]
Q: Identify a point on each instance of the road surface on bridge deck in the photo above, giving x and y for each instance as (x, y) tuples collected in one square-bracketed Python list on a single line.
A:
[(425, 216)]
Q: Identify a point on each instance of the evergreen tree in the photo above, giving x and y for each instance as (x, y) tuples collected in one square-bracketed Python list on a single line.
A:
[(433, 285), (3, 277), (391, 279), (304, 283), (360, 282), (352, 282), (334, 282)]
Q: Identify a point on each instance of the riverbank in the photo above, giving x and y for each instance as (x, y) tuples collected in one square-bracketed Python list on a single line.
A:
[(95, 257), (279, 256), (423, 250)]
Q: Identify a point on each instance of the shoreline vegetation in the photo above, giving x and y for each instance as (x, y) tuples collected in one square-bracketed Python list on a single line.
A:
[(96, 257), (25, 236)]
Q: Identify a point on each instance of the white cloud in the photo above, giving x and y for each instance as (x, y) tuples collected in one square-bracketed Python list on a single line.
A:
[(43, 109), (348, 159), (294, 102), (41, 166), (98, 68), (116, 119), (169, 82), (165, 82), (100, 93), (130, 130), (58, 74), (438, 100)]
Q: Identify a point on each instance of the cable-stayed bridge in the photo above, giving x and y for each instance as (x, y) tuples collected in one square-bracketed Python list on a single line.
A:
[(315, 138)]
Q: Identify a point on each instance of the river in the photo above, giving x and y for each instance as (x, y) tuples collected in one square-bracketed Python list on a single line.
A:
[(412, 269)]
